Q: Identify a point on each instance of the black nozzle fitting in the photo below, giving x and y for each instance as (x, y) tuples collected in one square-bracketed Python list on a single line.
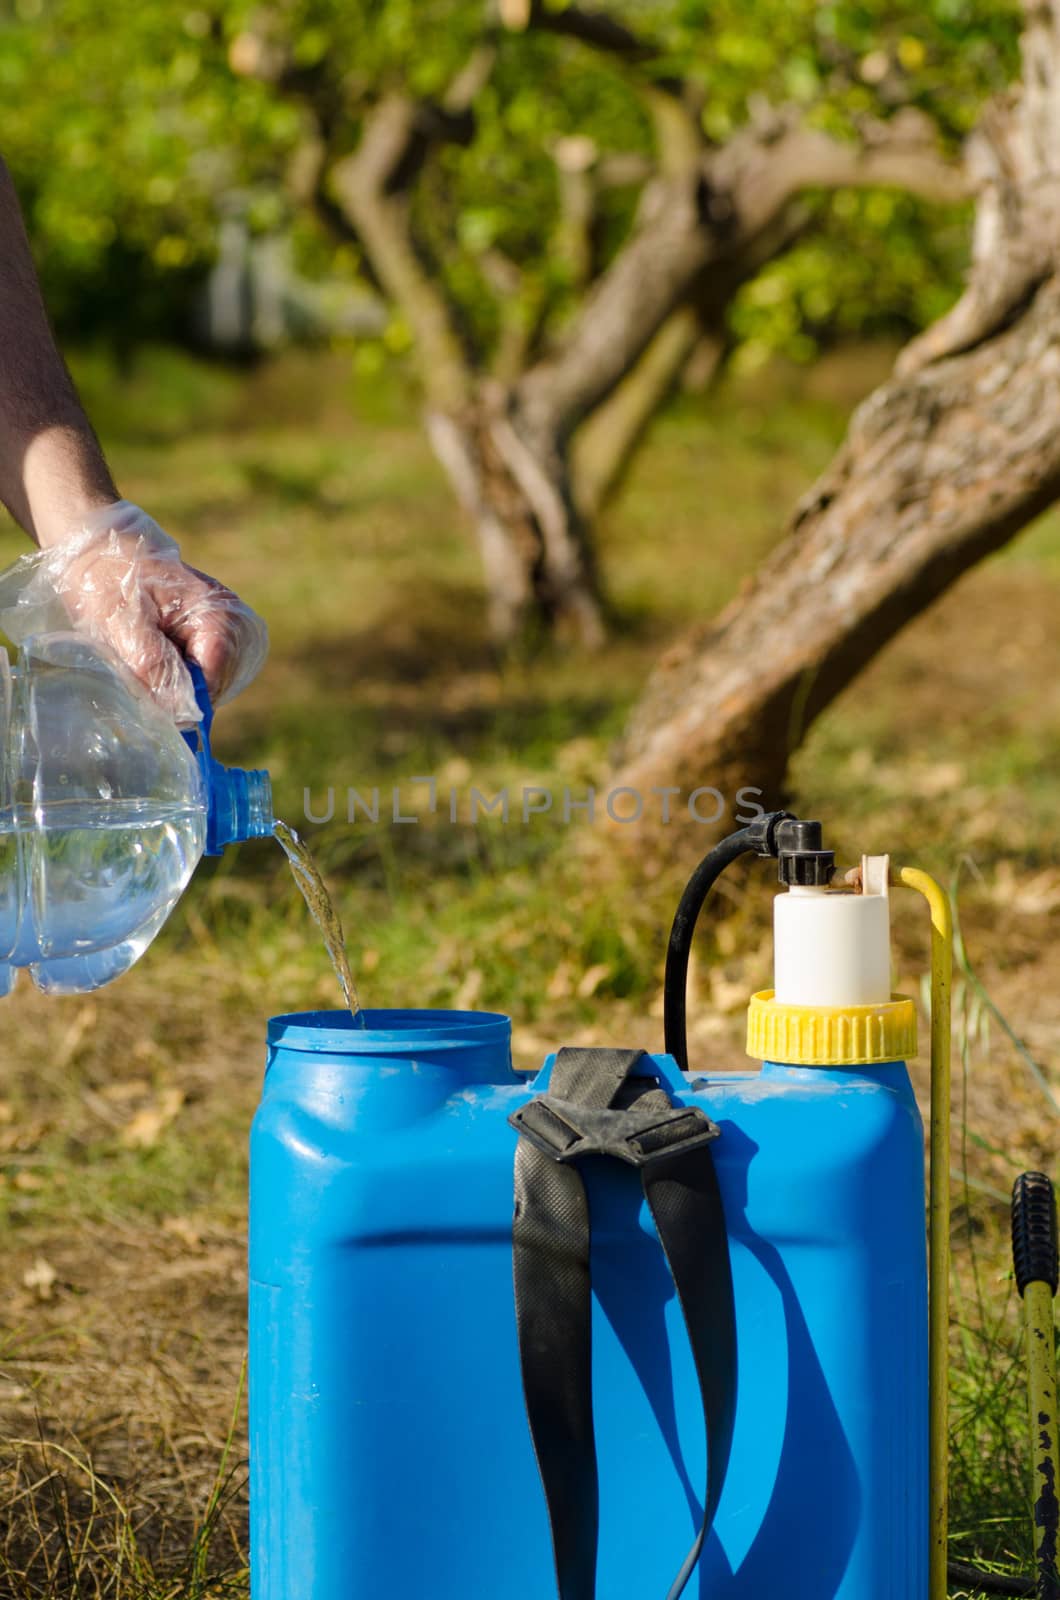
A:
[(1034, 1252), (774, 833), (801, 856), (762, 833)]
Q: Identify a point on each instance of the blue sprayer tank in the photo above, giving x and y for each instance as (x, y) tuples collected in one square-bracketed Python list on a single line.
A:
[(389, 1445), (105, 811)]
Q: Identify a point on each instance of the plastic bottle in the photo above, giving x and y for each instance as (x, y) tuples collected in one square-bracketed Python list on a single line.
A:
[(105, 810)]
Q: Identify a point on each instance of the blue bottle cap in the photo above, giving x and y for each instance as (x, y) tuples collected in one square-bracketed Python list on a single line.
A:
[(238, 800)]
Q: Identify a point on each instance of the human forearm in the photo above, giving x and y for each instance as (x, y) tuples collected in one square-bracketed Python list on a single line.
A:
[(52, 470), (118, 576)]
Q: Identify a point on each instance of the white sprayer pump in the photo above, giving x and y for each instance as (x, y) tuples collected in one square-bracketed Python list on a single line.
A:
[(832, 947)]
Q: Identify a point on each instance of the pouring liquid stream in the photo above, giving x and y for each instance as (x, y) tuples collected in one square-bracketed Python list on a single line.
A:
[(322, 909)]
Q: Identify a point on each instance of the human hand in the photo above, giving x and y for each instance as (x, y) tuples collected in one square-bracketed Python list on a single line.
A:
[(121, 580)]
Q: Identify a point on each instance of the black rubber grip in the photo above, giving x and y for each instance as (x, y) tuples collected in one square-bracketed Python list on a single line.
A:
[(1034, 1231)]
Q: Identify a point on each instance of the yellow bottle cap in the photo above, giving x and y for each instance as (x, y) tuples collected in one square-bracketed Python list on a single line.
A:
[(830, 1036)]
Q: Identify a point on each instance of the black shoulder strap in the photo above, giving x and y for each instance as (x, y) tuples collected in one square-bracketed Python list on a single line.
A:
[(595, 1107)]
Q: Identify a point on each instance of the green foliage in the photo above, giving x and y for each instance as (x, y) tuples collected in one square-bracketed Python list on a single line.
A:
[(844, 59), (876, 263), (132, 128), (122, 129)]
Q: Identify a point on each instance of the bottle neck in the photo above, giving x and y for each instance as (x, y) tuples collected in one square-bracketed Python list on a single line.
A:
[(238, 805), (260, 819), (238, 802)]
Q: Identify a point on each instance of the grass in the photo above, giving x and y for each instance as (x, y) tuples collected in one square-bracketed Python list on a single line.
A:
[(123, 1115)]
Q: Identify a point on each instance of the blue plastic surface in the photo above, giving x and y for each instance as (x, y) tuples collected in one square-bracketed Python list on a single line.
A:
[(389, 1446), (238, 800)]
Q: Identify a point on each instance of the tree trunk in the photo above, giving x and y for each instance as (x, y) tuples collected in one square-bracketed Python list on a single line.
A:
[(705, 222), (515, 489), (509, 469), (707, 217), (941, 465), (938, 470)]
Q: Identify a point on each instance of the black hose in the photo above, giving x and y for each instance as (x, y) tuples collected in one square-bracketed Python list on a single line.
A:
[(990, 1582), (743, 842)]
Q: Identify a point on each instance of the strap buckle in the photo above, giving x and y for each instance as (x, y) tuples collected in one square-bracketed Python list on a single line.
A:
[(565, 1131)]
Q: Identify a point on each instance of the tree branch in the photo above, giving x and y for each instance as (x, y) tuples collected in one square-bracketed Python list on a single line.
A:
[(603, 447), (368, 188), (647, 280), (902, 153), (625, 169), (472, 78), (576, 159), (522, 305), (674, 103), (708, 221), (1015, 169), (607, 439), (366, 192), (589, 26)]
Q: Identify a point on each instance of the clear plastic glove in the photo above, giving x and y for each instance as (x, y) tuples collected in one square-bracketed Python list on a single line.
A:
[(121, 580)]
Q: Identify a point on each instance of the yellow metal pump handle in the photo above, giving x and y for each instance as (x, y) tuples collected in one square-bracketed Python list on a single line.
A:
[(938, 1224)]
